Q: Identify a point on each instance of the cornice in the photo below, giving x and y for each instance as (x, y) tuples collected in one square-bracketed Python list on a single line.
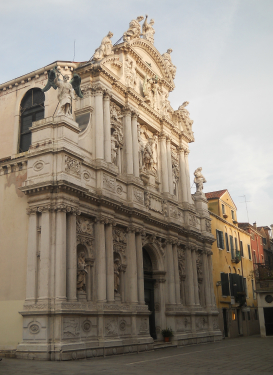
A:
[(228, 223)]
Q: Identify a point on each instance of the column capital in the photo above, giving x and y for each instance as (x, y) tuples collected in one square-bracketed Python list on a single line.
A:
[(31, 211), (107, 94), (162, 135), (181, 149), (127, 110), (186, 151), (135, 113), (97, 89)]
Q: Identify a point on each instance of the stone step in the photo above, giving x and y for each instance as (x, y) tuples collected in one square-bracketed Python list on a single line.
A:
[(163, 345)]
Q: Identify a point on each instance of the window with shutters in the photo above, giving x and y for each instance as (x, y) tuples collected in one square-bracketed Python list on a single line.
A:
[(253, 289), (245, 287), (249, 252), (232, 215), (227, 244), (223, 209), (220, 239), (231, 247), (32, 109), (241, 248), (264, 241), (225, 284)]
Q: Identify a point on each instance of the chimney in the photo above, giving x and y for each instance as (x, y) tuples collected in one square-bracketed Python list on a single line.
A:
[(254, 225)]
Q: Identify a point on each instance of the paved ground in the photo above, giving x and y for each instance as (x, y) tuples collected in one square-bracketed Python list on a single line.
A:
[(244, 356)]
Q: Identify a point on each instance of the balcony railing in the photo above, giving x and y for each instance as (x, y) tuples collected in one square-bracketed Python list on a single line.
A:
[(263, 271)]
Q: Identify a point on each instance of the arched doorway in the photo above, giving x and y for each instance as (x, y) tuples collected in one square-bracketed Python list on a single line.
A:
[(149, 290)]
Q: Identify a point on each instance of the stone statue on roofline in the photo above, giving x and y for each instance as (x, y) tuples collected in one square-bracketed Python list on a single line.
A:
[(134, 30), (199, 180), (65, 90), (148, 30), (105, 48), (168, 62)]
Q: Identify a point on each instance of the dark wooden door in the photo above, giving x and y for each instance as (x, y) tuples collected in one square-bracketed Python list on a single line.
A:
[(268, 320), (149, 300), (225, 318)]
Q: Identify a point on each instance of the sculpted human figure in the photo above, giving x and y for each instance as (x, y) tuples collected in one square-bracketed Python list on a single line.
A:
[(105, 48), (130, 72), (65, 95), (150, 90), (199, 179), (116, 274), (148, 156), (168, 61), (148, 30), (114, 146), (140, 147), (81, 272), (134, 30)]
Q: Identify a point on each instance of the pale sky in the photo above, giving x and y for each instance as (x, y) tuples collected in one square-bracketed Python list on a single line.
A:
[(224, 57)]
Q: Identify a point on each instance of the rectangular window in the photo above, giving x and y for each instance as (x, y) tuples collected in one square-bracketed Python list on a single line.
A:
[(220, 239), (225, 284), (241, 248), (236, 244), (233, 315), (223, 209), (227, 244), (231, 247), (254, 257), (253, 289), (243, 316), (264, 241), (245, 287), (248, 315), (232, 215), (249, 252)]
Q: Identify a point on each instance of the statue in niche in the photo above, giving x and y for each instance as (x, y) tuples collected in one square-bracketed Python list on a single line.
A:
[(115, 113), (81, 272), (140, 147), (168, 61), (148, 155), (130, 73), (65, 90), (114, 146), (105, 48), (199, 180), (175, 173), (117, 268), (134, 30), (148, 30)]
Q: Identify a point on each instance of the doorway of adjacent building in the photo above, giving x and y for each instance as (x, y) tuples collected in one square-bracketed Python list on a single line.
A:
[(225, 319), (268, 320), (149, 291)]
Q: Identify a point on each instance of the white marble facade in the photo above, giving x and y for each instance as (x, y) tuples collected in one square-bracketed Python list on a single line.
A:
[(99, 196)]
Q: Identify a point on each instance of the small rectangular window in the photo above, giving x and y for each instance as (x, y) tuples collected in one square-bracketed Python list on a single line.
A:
[(223, 209), (256, 314), (231, 247), (248, 315), (249, 252), (245, 287), (236, 244), (241, 248), (232, 215), (243, 316), (220, 239), (264, 241), (233, 315), (227, 244)]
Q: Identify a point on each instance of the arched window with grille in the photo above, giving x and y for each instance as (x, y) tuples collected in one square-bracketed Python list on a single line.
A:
[(32, 109)]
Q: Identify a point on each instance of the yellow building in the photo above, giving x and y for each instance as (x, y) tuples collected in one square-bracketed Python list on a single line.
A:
[(232, 269)]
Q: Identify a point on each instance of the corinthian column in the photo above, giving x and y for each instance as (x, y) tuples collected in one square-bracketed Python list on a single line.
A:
[(135, 145), (170, 275), (61, 253), (169, 163), (109, 262), (71, 258), (195, 277), (128, 142), (99, 128), (189, 278), (164, 165), (45, 255), (107, 127), (32, 257), (140, 276), (100, 261), (176, 274), (183, 193), (188, 176), (131, 272)]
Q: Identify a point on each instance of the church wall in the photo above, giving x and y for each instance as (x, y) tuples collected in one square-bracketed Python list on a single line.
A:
[(13, 254)]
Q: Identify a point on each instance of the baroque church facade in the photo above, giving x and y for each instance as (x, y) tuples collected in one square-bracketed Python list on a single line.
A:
[(103, 244)]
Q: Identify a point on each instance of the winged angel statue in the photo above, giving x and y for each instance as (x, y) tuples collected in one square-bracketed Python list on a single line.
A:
[(65, 90)]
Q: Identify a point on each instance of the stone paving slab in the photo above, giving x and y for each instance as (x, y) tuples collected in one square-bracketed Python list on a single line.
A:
[(240, 356)]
